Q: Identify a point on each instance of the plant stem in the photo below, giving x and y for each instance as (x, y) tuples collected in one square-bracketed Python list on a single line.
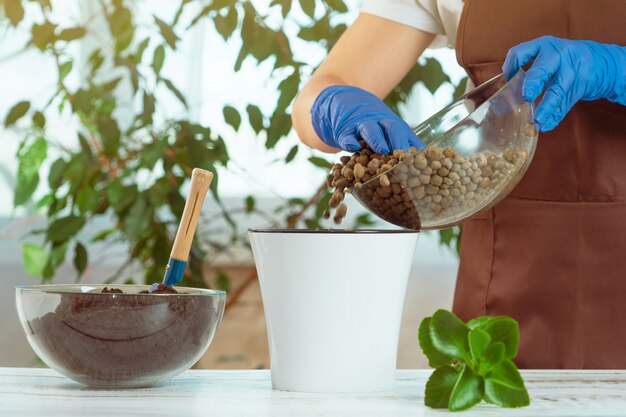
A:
[(236, 293), (294, 218)]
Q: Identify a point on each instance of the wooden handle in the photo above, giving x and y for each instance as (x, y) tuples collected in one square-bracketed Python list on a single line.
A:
[(200, 182)]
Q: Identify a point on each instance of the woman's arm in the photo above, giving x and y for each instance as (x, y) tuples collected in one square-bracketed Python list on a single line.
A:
[(374, 54)]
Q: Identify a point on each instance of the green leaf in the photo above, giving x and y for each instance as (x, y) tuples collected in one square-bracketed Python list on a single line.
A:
[(45, 201), (214, 5), (311, 223), (264, 45), (337, 5), (148, 108), (34, 259), (175, 91), (232, 117), (80, 258), (43, 34), (284, 55), (167, 32), (320, 162), (506, 330), (292, 154), (176, 203), (459, 90), (226, 25), (364, 220), (308, 7), (478, 342), (71, 34), (439, 387), (86, 199), (445, 236), (56, 177), (30, 160), (138, 220), (449, 334), (107, 103), (56, 258), (243, 53), (24, 189), (64, 70), (121, 26), (458, 240), (75, 168), (322, 205), (141, 48), (16, 112), (157, 193), (95, 60), (103, 235), (223, 282), (250, 204), (313, 33), (161, 251), (64, 228), (493, 355), (504, 396), (56, 205), (14, 11), (152, 153), (110, 135), (284, 4), (255, 117), (478, 322), (436, 359), (467, 392), (81, 102), (288, 89), (157, 59), (57, 255), (121, 196), (432, 75), (39, 119), (506, 373)]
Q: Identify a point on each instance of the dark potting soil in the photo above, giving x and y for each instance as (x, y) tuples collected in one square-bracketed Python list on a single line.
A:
[(112, 290), (106, 340), (161, 289)]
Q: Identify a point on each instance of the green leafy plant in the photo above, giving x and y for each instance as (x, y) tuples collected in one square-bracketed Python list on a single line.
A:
[(472, 361), (132, 175)]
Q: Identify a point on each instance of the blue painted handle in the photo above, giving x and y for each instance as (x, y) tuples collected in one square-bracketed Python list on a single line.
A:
[(174, 271)]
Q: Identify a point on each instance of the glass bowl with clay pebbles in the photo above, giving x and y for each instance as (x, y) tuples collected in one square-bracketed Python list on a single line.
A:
[(478, 149)]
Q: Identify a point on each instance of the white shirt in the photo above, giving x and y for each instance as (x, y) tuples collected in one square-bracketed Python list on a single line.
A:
[(440, 17)]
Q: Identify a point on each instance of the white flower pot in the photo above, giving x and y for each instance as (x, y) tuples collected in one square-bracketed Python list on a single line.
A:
[(333, 304)]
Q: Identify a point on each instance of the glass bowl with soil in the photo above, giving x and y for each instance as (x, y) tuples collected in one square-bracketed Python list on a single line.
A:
[(478, 149), (124, 337)]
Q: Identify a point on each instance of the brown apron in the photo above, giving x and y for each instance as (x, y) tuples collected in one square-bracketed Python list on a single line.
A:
[(553, 253)]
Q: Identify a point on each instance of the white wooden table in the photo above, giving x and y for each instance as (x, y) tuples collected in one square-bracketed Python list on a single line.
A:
[(42, 392)]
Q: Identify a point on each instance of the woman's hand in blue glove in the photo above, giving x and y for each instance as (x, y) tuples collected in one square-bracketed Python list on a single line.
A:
[(342, 115), (568, 70)]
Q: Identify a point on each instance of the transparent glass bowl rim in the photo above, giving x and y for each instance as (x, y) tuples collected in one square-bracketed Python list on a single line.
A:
[(455, 103), (335, 231), (66, 289)]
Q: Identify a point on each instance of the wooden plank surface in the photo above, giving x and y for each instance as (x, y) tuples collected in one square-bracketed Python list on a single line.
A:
[(34, 392)]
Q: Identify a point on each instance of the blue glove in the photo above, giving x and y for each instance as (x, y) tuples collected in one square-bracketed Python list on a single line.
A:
[(342, 115), (571, 71)]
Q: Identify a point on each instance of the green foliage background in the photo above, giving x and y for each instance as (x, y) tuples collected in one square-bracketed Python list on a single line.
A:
[(99, 176)]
